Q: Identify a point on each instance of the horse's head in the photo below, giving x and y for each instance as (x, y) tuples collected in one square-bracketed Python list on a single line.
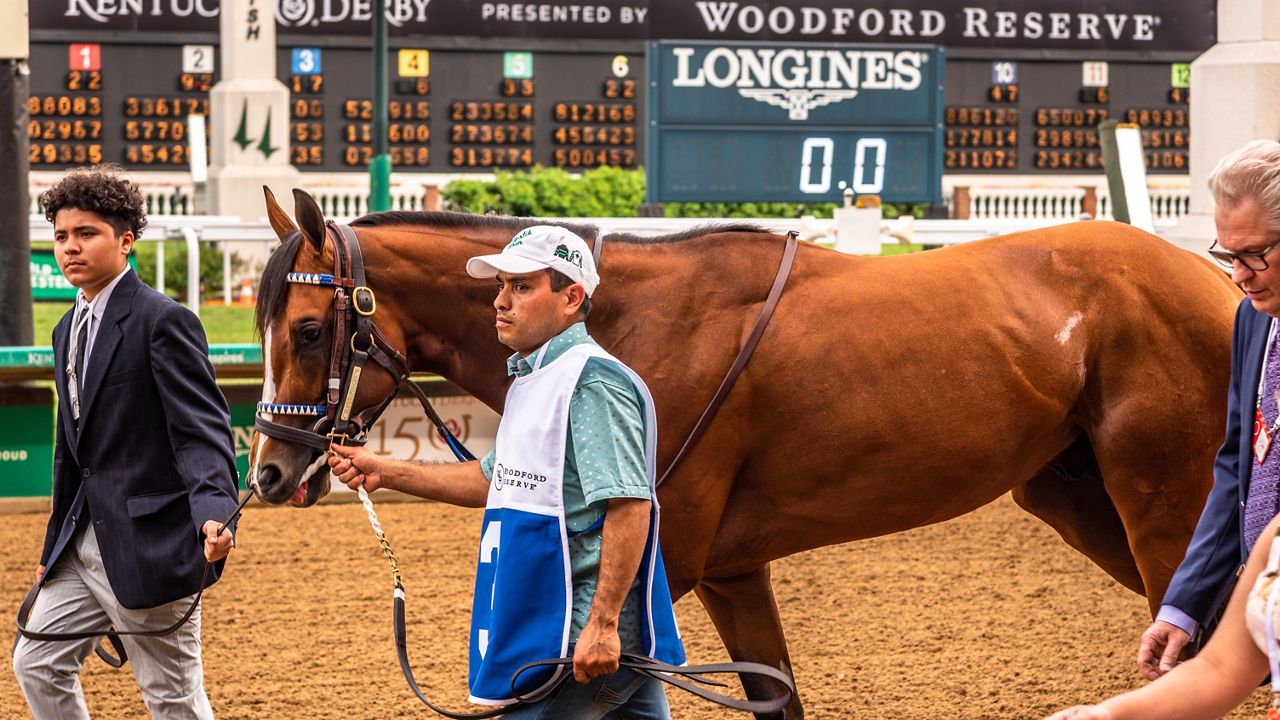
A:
[(315, 316)]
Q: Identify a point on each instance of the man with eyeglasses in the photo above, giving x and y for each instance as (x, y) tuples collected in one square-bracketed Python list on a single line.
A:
[(1246, 191)]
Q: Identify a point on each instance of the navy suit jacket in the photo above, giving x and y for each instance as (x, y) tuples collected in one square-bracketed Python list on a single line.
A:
[(153, 457), (1204, 580)]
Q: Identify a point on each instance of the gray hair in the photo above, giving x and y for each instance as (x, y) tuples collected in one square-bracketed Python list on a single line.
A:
[(1252, 172)]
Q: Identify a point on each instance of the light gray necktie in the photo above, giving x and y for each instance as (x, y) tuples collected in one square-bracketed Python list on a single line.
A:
[(75, 358)]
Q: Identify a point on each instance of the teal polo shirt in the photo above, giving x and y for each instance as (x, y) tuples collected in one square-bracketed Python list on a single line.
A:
[(604, 459)]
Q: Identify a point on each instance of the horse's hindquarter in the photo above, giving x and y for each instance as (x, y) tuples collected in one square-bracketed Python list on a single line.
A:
[(890, 393)]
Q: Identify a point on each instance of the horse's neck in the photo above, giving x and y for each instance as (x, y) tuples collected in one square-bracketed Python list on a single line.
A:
[(448, 316), (645, 307)]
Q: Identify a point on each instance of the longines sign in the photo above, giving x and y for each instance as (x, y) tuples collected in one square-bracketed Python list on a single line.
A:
[(1170, 25), (737, 84), (803, 122)]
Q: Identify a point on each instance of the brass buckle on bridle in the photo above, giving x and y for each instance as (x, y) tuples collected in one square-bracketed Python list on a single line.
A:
[(361, 297)]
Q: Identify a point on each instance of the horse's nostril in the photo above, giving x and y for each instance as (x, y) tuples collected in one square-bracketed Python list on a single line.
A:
[(268, 477)]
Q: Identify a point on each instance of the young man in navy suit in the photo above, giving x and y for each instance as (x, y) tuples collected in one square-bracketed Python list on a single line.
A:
[(143, 472), (1246, 476)]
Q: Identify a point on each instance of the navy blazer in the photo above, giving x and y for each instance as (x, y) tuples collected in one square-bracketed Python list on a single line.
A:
[(153, 458), (1204, 580)]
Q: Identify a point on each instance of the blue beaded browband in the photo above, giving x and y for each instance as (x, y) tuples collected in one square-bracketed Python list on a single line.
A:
[(324, 279)]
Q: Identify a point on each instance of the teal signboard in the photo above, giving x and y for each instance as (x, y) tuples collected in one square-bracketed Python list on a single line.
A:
[(27, 413), (47, 281), (26, 446), (743, 122)]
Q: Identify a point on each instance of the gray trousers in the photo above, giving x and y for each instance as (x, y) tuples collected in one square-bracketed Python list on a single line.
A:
[(77, 597)]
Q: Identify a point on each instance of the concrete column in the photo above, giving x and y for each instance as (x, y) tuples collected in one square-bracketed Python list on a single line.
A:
[(960, 203), (1089, 203), (1235, 98), (249, 126), (15, 233)]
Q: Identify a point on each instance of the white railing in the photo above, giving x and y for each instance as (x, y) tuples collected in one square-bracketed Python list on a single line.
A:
[(349, 201), (1166, 204), (1063, 203), (354, 201), (160, 198), (1011, 197)]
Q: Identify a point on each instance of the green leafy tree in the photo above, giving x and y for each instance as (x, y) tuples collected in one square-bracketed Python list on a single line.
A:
[(175, 267), (608, 192), (551, 192)]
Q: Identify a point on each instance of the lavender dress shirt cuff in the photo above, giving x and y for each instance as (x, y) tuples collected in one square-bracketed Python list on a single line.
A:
[(1176, 617)]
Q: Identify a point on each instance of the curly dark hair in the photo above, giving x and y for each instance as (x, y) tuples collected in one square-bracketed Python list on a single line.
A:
[(100, 189)]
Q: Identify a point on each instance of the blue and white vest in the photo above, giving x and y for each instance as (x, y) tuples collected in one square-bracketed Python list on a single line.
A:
[(524, 587)]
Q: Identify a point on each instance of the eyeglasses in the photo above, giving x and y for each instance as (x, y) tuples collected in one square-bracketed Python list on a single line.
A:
[(1255, 261)]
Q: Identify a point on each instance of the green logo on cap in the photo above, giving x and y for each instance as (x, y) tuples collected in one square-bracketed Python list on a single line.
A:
[(575, 257)]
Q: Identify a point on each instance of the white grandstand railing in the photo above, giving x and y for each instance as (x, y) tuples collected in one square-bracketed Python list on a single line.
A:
[(1025, 203), (336, 201), (160, 198), (1166, 204), (1036, 198), (1064, 203)]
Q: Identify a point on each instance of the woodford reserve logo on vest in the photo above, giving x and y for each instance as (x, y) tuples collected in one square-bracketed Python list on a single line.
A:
[(516, 479), (798, 79)]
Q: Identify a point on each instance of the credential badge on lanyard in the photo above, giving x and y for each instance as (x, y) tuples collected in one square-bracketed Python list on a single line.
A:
[(1263, 434)]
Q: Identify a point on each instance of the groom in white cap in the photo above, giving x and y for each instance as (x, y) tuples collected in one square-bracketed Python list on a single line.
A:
[(569, 559)]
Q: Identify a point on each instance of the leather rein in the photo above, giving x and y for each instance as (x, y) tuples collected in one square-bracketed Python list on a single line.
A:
[(111, 635), (356, 340)]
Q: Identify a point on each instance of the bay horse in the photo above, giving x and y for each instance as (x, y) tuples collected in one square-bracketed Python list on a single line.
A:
[(1083, 367)]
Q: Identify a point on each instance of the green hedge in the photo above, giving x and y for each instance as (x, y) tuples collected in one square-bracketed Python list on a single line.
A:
[(175, 267), (607, 192)]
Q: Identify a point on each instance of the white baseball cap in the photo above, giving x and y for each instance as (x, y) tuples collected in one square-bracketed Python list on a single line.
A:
[(538, 248)]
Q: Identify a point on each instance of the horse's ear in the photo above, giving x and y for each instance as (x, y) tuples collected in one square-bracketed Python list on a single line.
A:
[(279, 219), (310, 218)]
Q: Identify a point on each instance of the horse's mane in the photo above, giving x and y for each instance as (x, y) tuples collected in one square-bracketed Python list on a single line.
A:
[(274, 286), (515, 224)]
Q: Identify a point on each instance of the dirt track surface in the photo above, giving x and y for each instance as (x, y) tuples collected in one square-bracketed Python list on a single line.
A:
[(987, 616)]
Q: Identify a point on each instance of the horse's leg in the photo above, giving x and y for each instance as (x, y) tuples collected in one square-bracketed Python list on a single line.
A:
[(1159, 507), (1157, 467), (746, 616), (1069, 495)]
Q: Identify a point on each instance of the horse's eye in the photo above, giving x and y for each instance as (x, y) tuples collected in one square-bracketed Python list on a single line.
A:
[(310, 334)]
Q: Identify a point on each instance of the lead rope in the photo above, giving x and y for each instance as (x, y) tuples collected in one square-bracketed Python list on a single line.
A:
[(378, 532), (111, 635)]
